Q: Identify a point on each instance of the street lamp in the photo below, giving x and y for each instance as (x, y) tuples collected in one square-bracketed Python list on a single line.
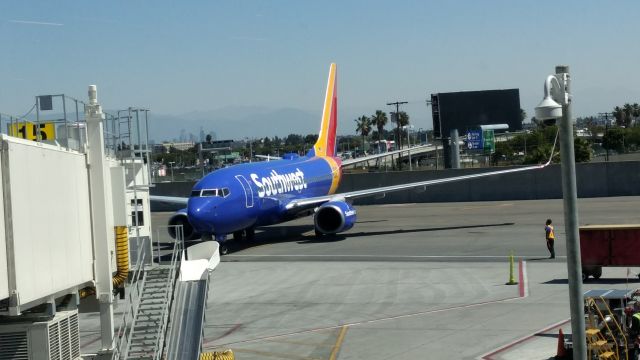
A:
[(558, 106)]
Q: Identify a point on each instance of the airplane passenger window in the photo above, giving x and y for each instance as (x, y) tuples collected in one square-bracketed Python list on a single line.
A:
[(225, 192), (195, 193), (210, 192)]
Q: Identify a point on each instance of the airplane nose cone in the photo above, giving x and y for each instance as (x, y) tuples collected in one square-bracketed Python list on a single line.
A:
[(201, 214)]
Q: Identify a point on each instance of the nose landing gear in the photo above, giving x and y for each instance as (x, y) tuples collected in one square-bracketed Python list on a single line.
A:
[(223, 249)]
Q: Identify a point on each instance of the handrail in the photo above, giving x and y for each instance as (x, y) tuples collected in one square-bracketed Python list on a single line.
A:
[(171, 279), (595, 306), (626, 350), (125, 329), (122, 340)]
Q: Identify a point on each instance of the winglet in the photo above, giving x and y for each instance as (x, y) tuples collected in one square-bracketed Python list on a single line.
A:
[(326, 144)]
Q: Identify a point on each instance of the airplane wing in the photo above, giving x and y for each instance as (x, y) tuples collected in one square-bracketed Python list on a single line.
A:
[(376, 156), (268, 157), (170, 199), (301, 204)]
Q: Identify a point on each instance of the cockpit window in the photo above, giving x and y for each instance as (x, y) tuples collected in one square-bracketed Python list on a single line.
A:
[(224, 192), (210, 192)]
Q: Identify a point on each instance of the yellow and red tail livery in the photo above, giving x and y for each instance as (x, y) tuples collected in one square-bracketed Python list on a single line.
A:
[(326, 144)]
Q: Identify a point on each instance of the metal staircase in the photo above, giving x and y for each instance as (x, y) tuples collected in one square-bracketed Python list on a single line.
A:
[(144, 321), (150, 323), (605, 337)]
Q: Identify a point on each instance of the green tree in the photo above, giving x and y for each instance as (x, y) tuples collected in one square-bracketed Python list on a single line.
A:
[(614, 140), (541, 154), (632, 138), (379, 119), (293, 140), (582, 150), (503, 151), (626, 114), (311, 139), (363, 127)]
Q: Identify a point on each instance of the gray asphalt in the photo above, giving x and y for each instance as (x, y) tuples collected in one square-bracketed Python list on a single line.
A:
[(410, 281)]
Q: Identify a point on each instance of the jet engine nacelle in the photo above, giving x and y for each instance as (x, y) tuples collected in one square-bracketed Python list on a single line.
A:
[(180, 218), (334, 217)]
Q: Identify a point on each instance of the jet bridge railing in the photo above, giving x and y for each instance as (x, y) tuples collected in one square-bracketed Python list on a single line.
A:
[(184, 341)]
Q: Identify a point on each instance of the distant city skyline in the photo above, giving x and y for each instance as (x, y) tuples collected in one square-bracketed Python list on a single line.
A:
[(187, 57)]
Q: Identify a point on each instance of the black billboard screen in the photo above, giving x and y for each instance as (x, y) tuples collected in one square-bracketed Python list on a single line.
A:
[(469, 109)]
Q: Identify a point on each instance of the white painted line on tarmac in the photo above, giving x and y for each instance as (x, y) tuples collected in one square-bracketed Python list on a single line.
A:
[(387, 256), (396, 205)]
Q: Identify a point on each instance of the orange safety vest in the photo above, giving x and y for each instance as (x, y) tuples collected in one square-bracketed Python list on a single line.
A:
[(552, 235)]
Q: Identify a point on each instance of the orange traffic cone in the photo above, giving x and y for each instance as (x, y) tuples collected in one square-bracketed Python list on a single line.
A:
[(561, 353)]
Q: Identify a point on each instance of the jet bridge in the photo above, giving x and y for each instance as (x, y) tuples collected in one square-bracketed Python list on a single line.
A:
[(69, 182)]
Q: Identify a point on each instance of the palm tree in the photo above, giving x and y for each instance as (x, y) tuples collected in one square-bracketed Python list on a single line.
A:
[(363, 126), (380, 120), (628, 114), (618, 114), (402, 119), (635, 112)]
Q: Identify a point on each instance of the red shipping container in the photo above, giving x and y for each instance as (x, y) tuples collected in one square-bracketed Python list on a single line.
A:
[(608, 245)]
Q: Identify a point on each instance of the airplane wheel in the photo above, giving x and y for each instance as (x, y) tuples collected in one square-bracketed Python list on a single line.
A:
[(238, 235), (585, 277), (597, 272), (250, 234), (223, 249)]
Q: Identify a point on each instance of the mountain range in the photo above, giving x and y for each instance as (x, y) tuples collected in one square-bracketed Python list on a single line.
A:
[(234, 122)]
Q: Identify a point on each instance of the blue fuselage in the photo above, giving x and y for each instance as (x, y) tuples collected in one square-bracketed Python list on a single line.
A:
[(255, 194)]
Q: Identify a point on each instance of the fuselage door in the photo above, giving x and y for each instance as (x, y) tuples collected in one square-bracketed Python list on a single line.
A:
[(248, 191)]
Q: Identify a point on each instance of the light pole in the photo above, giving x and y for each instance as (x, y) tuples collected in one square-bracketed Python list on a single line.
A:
[(409, 143), (250, 148), (550, 109)]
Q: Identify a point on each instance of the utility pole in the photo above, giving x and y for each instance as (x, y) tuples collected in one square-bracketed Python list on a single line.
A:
[(570, 202), (397, 104), (606, 129)]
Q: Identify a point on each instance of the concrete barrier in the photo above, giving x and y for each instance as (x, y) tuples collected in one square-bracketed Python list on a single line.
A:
[(601, 179)]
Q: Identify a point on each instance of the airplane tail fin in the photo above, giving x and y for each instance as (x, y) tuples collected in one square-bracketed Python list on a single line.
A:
[(326, 144)]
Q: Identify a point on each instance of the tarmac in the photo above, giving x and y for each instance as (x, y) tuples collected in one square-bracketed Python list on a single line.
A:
[(409, 281)]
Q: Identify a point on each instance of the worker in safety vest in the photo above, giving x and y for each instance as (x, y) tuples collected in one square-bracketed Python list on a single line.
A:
[(635, 324), (551, 237), (635, 334)]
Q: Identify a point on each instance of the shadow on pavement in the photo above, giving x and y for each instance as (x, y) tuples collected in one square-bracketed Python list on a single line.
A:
[(299, 234), (402, 231), (608, 281)]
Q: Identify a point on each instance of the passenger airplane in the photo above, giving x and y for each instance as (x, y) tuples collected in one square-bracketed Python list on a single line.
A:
[(237, 199)]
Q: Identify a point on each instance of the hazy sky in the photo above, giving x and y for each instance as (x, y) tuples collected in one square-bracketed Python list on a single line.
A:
[(177, 57)]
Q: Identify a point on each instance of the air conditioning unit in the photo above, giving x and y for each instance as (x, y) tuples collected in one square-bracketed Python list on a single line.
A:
[(56, 339)]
